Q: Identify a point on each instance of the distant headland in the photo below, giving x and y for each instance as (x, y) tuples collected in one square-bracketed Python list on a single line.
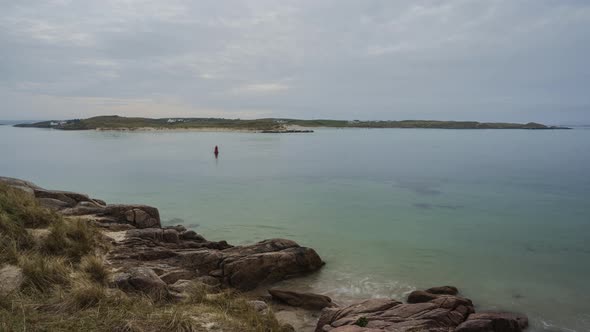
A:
[(266, 125)]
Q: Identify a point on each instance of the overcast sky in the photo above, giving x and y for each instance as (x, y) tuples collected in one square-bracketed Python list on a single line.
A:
[(496, 60)]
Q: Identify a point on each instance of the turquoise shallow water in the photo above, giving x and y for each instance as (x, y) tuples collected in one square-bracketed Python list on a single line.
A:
[(503, 215)]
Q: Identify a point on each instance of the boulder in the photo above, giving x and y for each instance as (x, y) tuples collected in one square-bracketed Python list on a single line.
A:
[(209, 281), (25, 186), (11, 279), (494, 322), (181, 285), (448, 290), (170, 235), (305, 300), (247, 267), (191, 235), (173, 276), (441, 315), (54, 204), (178, 228), (258, 305), (143, 280), (421, 297), (140, 216), (156, 234), (69, 197)]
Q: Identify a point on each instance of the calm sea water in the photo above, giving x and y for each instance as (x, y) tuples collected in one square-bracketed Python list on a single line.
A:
[(502, 214)]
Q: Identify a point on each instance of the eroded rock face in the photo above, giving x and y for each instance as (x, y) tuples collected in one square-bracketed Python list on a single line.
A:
[(305, 300), (430, 312)]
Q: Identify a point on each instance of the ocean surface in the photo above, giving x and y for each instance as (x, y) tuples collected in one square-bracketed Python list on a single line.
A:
[(502, 214)]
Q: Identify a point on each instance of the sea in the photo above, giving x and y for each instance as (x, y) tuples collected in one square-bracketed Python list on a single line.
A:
[(504, 215)]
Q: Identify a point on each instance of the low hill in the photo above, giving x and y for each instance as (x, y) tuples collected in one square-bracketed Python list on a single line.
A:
[(115, 122)]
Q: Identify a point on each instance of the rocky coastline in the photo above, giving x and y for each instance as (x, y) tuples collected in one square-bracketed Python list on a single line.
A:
[(146, 257)]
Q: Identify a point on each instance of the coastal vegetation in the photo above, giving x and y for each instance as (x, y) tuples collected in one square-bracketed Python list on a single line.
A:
[(55, 278), (114, 122)]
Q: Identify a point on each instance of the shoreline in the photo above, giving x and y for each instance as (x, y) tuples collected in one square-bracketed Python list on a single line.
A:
[(176, 255)]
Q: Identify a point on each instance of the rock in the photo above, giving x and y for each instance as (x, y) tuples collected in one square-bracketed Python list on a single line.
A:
[(54, 204), (259, 306), (442, 314), (146, 233), (100, 202), (25, 186), (173, 276), (171, 236), (191, 235), (140, 216), (66, 196), (82, 210), (421, 297), (209, 281), (202, 260), (141, 279), (247, 267), (448, 290), (141, 219), (91, 203), (11, 279), (494, 322), (178, 228), (304, 300), (181, 285)]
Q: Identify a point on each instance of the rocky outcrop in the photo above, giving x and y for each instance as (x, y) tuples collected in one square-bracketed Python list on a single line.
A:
[(442, 311), (76, 204), (242, 267), (305, 300), (268, 261)]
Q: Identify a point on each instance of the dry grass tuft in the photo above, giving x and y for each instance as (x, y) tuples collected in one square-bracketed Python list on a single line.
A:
[(22, 208), (95, 268), (71, 238), (43, 273)]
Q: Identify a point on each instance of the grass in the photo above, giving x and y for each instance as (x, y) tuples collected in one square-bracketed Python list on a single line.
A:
[(95, 269), (42, 273), (65, 284), (71, 238), (21, 208)]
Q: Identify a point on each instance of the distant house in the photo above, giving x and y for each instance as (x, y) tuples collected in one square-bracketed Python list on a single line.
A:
[(57, 123), (175, 120)]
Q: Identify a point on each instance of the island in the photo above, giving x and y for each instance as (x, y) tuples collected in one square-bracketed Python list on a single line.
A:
[(266, 125)]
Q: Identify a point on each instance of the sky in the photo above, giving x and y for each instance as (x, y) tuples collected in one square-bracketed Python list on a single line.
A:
[(484, 60)]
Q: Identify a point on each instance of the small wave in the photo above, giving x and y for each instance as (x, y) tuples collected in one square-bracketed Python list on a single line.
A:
[(552, 328)]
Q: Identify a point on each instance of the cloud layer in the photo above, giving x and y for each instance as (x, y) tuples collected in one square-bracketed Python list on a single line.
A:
[(500, 60)]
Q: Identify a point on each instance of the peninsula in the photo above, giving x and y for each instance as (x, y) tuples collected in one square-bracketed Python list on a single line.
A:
[(267, 125)]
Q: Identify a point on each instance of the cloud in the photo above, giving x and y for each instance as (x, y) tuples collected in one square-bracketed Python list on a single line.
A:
[(260, 89), (481, 60)]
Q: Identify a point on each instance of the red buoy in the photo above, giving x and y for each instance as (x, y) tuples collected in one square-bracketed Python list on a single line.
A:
[(216, 152)]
